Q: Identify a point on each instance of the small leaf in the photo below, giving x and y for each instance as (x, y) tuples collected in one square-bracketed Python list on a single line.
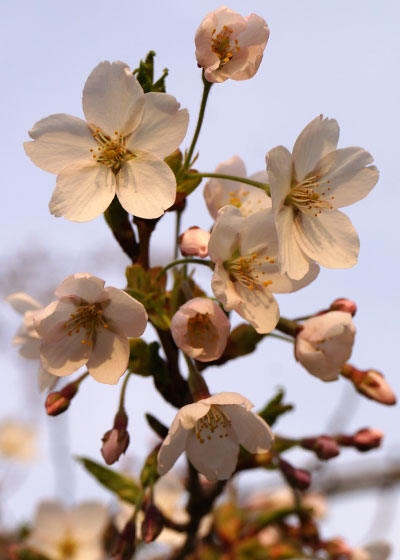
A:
[(145, 75), (149, 474), (275, 408), (157, 426)]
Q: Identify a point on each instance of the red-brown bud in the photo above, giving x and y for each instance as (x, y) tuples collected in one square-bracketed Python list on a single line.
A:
[(298, 478), (126, 543), (344, 304), (370, 383), (363, 440), (153, 523), (324, 447), (116, 441), (58, 401)]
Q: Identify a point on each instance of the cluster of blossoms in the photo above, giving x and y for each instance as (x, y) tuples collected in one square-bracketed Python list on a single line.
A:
[(271, 232)]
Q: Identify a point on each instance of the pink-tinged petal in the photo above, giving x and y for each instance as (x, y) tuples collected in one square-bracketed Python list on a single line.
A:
[(224, 289), (315, 362), (65, 356), (229, 397), (214, 456), (318, 138), (252, 431), (128, 314), (22, 302), (113, 99), (84, 190), (109, 357), (282, 284), (88, 521), (256, 32), (146, 186), (292, 260), (83, 286), (280, 172), (258, 307), (259, 235), (46, 381), (60, 140), (50, 320), (162, 128), (50, 523), (194, 242), (349, 178), (30, 348), (224, 236), (191, 413), (173, 446), (330, 239)]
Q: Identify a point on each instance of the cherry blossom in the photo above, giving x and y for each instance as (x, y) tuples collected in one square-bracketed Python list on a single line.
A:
[(246, 274), (307, 188), (119, 150), (220, 192), (89, 324), (229, 45), (325, 343), (211, 431), (379, 550), (17, 441), (194, 242), (200, 329)]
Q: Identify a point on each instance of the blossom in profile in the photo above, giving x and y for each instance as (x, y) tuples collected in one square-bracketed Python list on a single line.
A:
[(119, 149), (200, 329), (89, 324), (246, 274), (17, 441), (307, 188), (194, 242), (27, 337), (229, 45), (222, 192), (75, 534), (211, 430), (325, 344)]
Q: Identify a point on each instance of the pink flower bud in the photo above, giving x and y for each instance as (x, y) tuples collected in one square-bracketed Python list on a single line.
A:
[(363, 440), (116, 441), (324, 447), (56, 404), (194, 242), (344, 304), (298, 478), (126, 543), (370, 383), (153, 524)]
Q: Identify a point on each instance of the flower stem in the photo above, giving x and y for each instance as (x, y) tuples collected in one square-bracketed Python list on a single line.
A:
[(177, 230), (123, 391), (280, 337), (263, 186), (287, 326), (197, 385), (183, 261), (206, 91)]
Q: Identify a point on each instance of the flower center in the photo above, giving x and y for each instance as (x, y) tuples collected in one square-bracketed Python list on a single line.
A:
[(221, 45), (89, 318), (111, 151), (67, 548), (247, 270), (216, 419), (201, 330), (311, 196)]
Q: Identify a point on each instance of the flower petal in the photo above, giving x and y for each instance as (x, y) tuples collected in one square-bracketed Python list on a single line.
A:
[(146, 186), (50, 521), (50, 320), (224, 236), (258, 307), (229, 398), (292, 259), (60, 140), (65, 356), (252, 431), (128, 314), (46, 380), (83, 191), (113, 99), (224, 289), (162, 128), (83, 286), (109, 357), (330, 239), (22, 302), (280, 170), (173, 446), (190, 413), (30, 348), (88, 521), (318, 138)]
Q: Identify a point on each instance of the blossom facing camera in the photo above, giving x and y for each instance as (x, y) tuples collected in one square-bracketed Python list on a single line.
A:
[(200, 329), (119, 149), (211, 431), (229, 45), (89, 324), (194, 242), (325, 343), (307, 188)]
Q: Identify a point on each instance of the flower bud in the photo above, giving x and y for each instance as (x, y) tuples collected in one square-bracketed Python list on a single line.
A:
[(116, 441), (297, 478), (153, 524), (58, 401), (344, 304), (194, 242), (370, 383), (125, 546), (324, 447), (363, 440)]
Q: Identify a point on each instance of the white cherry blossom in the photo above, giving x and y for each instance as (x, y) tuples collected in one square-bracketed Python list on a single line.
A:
[(89, 325), (211, 431), (325, 344), (17, 441), (222, 192), (246, 274), (200, 329), (119, 150), (229, 45), (307, 188)]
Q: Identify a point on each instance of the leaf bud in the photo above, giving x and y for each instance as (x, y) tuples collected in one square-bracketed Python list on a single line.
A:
[(297, 478), (125, 546)]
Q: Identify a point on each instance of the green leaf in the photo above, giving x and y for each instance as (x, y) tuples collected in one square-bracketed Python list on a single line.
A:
[(145, 75), (123, 486), (157, 426), (143, 286), (149, 474), (275, 408)]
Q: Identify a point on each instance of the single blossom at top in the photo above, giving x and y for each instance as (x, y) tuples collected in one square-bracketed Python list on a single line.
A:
[(27, 336), (119, 150), (229, 45), (89, 324), (307, 188), (222, 192), (325, 344), (211, 431), (246, 274)]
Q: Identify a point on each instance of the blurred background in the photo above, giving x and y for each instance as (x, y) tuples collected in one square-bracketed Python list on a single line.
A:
[(337, 58)]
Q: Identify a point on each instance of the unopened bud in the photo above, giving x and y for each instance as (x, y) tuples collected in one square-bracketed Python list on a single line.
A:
[(194, 242), (125, 546), (363, 440), (324, 447), (344, 304), (153, 524), (297, 478), (58, 401), (370, 383), (338, 548), (116, 441)]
